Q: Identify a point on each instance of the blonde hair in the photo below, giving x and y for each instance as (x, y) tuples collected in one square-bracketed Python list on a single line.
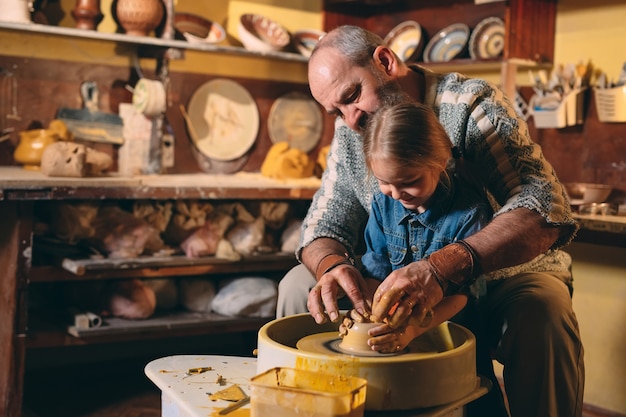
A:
[(408, 135)]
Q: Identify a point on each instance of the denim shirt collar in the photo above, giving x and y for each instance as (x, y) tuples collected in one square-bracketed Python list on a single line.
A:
[(437, 208)]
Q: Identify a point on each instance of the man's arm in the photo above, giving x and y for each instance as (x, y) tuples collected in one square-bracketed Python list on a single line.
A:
[(321, 248), (512, 238)]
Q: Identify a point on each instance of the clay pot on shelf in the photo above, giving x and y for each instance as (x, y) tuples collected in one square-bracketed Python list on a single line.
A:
[(139, 17), (32, 143), (87, 14)]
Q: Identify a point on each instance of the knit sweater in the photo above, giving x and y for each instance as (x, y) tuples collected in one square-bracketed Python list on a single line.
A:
[(494, 150)]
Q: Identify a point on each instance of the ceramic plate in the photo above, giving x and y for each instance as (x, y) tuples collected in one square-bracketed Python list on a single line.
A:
[(447, 44), (406, 40), (224, 119), (487, 40), (297, 119)]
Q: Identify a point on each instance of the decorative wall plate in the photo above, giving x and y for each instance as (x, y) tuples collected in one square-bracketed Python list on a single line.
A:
[(448, 44), (224, 119), (297, 119), (487, 40)]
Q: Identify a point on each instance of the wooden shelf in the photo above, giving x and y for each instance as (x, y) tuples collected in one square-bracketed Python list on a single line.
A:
[(146, 41), (20, 184), (44, 333), (155, 267)]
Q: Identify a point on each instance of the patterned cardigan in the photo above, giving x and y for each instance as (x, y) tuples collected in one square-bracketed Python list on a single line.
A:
[(493, 148)]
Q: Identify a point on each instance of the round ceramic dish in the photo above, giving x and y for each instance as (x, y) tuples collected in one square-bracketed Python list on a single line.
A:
[(258, 33), (197, 29), (582, 192), (448, 44), (297, 119), (224, 119), (406, 40), (487, 39), (306, 39)]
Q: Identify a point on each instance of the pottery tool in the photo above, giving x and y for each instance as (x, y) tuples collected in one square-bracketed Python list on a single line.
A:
[(89, 123)]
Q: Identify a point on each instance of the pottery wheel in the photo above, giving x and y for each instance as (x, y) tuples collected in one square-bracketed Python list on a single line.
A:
[(329, 344), (423, 375)]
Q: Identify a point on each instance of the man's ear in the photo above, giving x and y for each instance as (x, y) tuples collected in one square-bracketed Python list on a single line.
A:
[(387, 59)]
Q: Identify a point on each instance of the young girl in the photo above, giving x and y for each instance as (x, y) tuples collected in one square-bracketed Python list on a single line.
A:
[(421, 207)]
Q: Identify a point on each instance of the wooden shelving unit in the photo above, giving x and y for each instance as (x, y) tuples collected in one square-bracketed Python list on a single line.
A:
[(146, 42)]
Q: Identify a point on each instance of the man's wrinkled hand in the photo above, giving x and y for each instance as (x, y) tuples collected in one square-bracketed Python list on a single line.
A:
[(322, 299)]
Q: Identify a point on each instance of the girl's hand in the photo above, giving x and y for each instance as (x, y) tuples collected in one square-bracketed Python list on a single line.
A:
[(387, 339)]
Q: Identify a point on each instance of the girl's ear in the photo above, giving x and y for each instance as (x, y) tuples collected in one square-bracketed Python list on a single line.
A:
[(385, 57)]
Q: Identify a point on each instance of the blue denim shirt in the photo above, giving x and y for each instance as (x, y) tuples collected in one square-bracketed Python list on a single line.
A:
[(396, 236)]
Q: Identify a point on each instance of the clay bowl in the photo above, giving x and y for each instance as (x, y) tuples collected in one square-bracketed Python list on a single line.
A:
[(583, 193), (355, 340), (260, 34), (197, 29), (421, 377), (306, 39)]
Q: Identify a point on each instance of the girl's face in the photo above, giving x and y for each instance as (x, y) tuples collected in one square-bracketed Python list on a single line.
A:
[(412, 188)]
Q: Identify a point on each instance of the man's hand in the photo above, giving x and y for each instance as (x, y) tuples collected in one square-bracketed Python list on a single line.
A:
[(343, 279), (387, 339), (409, 290)]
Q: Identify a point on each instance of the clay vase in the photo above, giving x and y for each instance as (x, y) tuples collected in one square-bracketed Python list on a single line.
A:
[(32, 143), (139, 17), (87, 14)]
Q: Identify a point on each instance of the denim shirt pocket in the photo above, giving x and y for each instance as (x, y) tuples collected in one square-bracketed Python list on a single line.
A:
[(397, 245)]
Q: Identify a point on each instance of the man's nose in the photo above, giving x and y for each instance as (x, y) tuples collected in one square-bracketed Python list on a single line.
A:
[(351, 116)]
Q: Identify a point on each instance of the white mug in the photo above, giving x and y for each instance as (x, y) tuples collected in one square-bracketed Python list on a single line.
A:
[(149, 97), (17, 11)]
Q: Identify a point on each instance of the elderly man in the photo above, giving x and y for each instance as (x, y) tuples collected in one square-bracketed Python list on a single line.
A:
[(525, 321)]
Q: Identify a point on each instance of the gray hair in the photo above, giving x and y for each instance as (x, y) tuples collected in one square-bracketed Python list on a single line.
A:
[(355, 43)]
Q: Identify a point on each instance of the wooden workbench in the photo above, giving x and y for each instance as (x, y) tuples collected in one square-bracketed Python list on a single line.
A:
[(21, 191)]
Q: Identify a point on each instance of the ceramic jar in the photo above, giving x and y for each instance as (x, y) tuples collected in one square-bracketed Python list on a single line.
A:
[(87, 14), (139, 17), (32, 143)]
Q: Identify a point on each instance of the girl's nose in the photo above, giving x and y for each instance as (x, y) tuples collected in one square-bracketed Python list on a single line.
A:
[(395, 192)]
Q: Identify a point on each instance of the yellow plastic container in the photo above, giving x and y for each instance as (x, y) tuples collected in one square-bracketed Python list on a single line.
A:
[(286, 392)]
